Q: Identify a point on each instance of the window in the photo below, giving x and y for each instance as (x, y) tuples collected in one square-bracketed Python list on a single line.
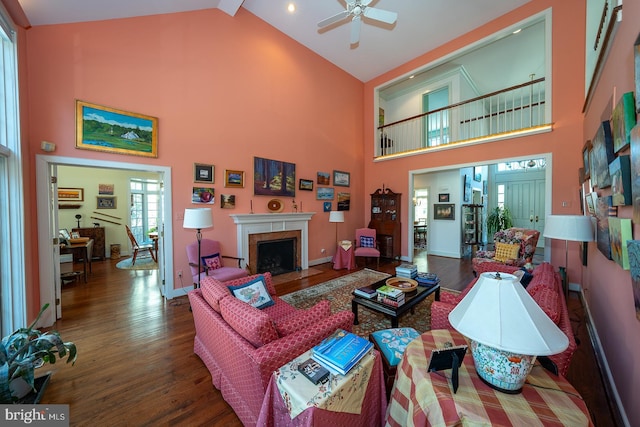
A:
[(500, 194), (12, 276), (145, 205)]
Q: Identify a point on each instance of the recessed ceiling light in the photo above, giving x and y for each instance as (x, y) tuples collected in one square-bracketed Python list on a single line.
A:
[(412, 76), (291, 7), (517, 31)]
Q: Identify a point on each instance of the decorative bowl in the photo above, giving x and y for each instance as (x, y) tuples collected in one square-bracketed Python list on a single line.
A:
[(402, 283)]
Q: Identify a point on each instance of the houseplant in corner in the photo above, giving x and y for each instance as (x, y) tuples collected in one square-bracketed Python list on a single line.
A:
[(25, 350), (499, 219)]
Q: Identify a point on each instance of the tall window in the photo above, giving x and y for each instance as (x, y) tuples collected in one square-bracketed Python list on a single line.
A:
[(436, 130), (501, 191), (145, 205), (12, 276)]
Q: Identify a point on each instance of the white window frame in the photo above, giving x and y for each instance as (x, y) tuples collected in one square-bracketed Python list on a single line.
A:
[(12, 265)]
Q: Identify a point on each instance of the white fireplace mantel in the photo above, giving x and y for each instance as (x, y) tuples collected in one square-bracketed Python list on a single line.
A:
[(270, 223)]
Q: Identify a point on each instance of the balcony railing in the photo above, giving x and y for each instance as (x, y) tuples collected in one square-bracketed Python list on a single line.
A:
[(517, 108)]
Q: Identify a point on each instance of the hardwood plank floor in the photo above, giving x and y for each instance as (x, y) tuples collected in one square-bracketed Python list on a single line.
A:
[(135, 350)]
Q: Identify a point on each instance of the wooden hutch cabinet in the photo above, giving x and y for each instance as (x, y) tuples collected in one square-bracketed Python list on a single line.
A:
[(385, 218), (471, 228)]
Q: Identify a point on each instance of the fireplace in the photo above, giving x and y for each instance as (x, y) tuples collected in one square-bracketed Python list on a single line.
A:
[(254, 228), (277, 256)]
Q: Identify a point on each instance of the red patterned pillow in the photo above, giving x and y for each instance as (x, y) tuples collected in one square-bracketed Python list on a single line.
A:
[(252, 324), (304, 318), (548, 300), (213, 291), (212, 262)]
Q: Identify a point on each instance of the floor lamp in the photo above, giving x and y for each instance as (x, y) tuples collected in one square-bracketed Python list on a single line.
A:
[(336, 216), (575, 228), (198, 218)]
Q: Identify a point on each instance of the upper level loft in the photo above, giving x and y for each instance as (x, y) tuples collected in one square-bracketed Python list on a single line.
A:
[(498, 88)]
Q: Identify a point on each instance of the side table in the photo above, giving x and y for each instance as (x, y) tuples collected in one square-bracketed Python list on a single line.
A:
[(275, 409), (426, 398), (344, 258)]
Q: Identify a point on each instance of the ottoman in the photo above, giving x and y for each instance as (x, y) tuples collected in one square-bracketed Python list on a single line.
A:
[(391, 344)]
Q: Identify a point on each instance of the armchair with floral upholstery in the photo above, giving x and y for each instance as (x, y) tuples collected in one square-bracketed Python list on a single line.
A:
[(513, 246)]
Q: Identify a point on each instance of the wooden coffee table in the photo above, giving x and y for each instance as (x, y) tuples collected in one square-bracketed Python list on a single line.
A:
[(411, 300)]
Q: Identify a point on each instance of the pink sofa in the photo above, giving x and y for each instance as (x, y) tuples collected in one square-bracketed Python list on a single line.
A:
[(545, 288), (242, 346)]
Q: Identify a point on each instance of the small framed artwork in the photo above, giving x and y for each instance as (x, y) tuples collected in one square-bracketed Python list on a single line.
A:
[(324, 178), (106, 202), (227, 201), (233, 178), (75, 235), (106, 129), (203, 195), (203, 173), (106, 189), (306, 185), (586, 152), (70, 194), (443, 198), (326, 206), (477, 173), (325, 193), (444, 211), (344, 201), (341, 179), (623, 119)]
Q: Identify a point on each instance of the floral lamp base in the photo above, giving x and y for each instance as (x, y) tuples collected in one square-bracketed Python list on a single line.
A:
[(501, 370)]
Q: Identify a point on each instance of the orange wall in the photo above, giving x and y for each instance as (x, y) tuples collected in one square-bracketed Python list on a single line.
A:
[(224, 89), (607, 287)]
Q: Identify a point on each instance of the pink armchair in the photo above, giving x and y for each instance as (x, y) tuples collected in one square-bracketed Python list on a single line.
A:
[(209, 248), (241, 345), (366, 245)]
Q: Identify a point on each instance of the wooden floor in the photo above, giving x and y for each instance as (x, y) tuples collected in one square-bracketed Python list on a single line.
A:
[(135, 350)]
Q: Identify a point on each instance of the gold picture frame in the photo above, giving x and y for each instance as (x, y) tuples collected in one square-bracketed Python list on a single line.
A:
[(70, 194), (233, 178), (107, 129)]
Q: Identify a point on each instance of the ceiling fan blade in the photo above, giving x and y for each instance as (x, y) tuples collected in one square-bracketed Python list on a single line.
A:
[(355, 29), (335, 18), (381, 15)]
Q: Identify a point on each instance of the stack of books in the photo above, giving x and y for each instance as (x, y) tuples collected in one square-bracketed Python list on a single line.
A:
[(366, 292), (427, 279), (409, 271), (341, 351), (390, 296)]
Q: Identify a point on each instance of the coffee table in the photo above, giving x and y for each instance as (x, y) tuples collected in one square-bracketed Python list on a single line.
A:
[(411, 299)]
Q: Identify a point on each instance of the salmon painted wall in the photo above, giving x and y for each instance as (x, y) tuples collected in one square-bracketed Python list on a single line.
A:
[(224, 89), (607, 286)]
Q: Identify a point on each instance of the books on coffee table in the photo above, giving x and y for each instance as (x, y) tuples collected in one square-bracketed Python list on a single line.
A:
[(427, 279), (341, 351), (366, 292), (409, 271)]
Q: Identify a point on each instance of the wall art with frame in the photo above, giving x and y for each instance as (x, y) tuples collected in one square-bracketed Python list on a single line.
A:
[(324, 178), (325, 193), (586, 152), (106, 202), (623, 119), (305, 185), (273, 177), (70, 194), (203, 195), (341, 179), (444, 211), (635, 173), (604, 211), (107, 129), (203, 173), (619, 234), (443, 197), (601, 155), (227, 201), (344, 201), (633, 248), (233, 178)]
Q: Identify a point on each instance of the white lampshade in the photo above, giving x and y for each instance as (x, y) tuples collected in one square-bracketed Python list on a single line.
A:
[(501, 314), (198, 218), (336, 216), (576, 228)]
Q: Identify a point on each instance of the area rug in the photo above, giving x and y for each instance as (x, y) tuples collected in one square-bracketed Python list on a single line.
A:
[(338, 292), (141, 264)]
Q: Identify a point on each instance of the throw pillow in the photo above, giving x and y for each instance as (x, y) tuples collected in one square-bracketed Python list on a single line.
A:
[(367, 242), (526, 277), (212, 262), (506, 251), (254, 293), (252, 324)]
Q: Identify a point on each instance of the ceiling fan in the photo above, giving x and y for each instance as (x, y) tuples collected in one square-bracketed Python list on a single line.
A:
[(357, 9)]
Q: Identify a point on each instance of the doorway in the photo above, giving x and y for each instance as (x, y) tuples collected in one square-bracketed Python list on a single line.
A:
[(47, 204)]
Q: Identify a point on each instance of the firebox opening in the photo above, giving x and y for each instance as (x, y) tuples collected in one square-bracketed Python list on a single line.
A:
[(277, 256)]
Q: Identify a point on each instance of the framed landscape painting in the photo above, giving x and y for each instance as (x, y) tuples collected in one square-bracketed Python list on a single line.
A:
[(341, 179), (619, 234), (601, 155), (110, 130), (344, 201), (635, 173), (325, 193), (273, 177), (633, 247)]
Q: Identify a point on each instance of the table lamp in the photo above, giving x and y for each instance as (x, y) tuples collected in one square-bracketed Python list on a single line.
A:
[(198, 218), (336, 216), (507, 330), (577, 228)]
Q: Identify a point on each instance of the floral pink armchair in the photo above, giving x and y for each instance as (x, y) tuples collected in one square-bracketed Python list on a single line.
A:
[(525, 239)]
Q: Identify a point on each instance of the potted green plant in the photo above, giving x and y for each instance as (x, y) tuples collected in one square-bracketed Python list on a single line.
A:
[(498, 219), (25, 350)]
